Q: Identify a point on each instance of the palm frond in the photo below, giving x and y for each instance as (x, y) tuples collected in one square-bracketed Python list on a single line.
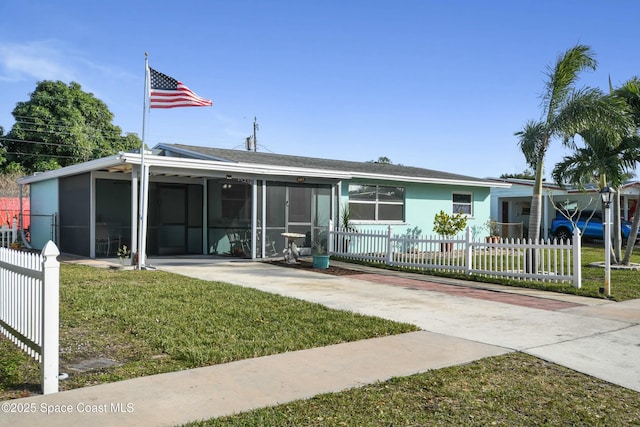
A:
[(533, 140), (589, 108), (563, 76)]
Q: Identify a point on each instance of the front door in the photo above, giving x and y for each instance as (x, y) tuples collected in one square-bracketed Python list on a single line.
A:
[(299, 213)]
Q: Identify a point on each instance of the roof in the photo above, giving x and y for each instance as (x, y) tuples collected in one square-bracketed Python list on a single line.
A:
[(355, 169), (568, 188), (197, 161)]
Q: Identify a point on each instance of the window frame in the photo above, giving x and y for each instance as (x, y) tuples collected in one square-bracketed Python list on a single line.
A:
[(454, 203), (377, 203)]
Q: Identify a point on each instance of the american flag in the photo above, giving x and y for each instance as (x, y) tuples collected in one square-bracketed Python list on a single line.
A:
[(167, 92)]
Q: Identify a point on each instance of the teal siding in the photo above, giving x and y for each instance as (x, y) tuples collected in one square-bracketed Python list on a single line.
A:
[(44, 203), (424, 201)]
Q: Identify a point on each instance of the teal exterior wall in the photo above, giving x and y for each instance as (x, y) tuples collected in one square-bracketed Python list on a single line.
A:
[(423, 202), (44, 203)]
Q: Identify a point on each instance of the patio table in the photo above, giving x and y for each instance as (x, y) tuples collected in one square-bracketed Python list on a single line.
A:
[(291, 252)]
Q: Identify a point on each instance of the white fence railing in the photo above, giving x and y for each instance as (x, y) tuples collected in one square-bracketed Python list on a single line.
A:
[(8, 234), (29, 306), (544, 260)]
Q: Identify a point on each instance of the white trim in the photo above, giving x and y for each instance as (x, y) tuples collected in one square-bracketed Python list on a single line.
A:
[(215, 168), (462, 193)]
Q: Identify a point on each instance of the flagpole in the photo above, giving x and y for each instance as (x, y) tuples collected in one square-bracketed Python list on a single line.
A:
[(142, 214)]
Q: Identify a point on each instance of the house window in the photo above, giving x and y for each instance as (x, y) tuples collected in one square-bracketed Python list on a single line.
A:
[(376, 203), (526, 208), (462, 203)]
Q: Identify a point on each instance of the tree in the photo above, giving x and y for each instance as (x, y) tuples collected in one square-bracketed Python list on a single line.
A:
[(630, 92), (2, 149), (566, 110), (382, 160), (60, 126), (602, 163), (527, 174)]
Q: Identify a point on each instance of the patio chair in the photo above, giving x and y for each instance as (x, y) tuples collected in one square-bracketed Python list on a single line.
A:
[(104, 240), (238, 244)]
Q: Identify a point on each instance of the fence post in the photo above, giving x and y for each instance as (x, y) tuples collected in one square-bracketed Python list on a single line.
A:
[(577, 258), (330, 237), (467, 252), (389, 248), (50, 317), (14, 230)]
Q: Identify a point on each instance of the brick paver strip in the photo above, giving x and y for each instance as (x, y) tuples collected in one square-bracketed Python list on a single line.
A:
[(483, 294)]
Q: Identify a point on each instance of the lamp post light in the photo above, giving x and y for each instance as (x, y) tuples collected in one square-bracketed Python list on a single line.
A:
[(607, 195)]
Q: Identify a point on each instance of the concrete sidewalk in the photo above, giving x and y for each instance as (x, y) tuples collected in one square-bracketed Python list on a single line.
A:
[(180, 397), (461, 322)]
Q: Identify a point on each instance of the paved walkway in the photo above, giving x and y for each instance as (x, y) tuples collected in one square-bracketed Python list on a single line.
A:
[(461, 322)]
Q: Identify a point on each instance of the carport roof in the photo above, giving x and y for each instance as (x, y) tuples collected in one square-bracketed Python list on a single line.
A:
[(194, 161)]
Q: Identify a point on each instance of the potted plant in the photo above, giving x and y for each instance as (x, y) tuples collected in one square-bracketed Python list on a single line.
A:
[(124, 255), (447, 226), (320, 256), (345, 222), (492, 226)]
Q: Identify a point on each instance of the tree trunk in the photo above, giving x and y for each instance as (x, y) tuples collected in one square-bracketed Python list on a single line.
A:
[(632, 235), (535, 214), (616, 230)]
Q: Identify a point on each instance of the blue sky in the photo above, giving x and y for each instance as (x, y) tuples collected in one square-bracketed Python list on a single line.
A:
[(435, 84)]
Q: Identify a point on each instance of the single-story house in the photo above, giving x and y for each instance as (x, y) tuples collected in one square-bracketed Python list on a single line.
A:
[(203, 200), (512, 204)]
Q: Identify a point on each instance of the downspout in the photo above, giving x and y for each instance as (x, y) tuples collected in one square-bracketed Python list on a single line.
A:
[(21, 221)]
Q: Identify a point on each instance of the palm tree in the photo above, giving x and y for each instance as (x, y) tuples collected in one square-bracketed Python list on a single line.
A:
[(602, 163), (630, 92), (566, 111)]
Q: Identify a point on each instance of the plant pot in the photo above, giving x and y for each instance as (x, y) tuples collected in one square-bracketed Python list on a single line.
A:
[(446, 247), (321, 261), (492, 239)]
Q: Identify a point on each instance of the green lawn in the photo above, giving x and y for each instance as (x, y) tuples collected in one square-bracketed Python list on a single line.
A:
[(625, 284), (510, 390), (153, 322)]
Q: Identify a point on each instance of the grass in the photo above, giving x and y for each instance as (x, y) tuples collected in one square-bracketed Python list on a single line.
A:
[(154, 322), (514, 389)]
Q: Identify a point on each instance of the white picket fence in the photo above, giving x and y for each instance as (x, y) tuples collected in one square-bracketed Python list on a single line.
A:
[(8, 234), (29, 306), (544, 260)]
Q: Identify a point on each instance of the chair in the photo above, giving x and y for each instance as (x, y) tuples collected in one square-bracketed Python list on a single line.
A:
[(104, 240), (238, 245), (269, 245)]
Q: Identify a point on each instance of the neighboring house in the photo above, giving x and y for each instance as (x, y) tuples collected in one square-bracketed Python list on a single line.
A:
[(10, 209), (512, 204), (218, 201)]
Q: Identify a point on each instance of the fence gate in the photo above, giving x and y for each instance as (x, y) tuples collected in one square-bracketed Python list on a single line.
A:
[(29, 307)]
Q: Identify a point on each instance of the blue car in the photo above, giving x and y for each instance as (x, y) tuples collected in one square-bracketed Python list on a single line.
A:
[(589, 223)]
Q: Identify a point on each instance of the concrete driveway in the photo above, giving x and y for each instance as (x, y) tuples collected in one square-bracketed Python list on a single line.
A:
[(594, 336)]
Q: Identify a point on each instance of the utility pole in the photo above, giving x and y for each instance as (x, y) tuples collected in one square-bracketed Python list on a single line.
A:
[(255, 135), (252, 141)]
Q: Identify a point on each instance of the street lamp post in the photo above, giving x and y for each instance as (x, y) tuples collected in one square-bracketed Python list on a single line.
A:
[(607, 195)]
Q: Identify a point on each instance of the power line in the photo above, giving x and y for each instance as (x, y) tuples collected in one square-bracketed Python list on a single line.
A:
[(57, 156)]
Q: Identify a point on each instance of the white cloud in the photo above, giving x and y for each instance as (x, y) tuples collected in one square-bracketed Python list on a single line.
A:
[(42, 60)]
